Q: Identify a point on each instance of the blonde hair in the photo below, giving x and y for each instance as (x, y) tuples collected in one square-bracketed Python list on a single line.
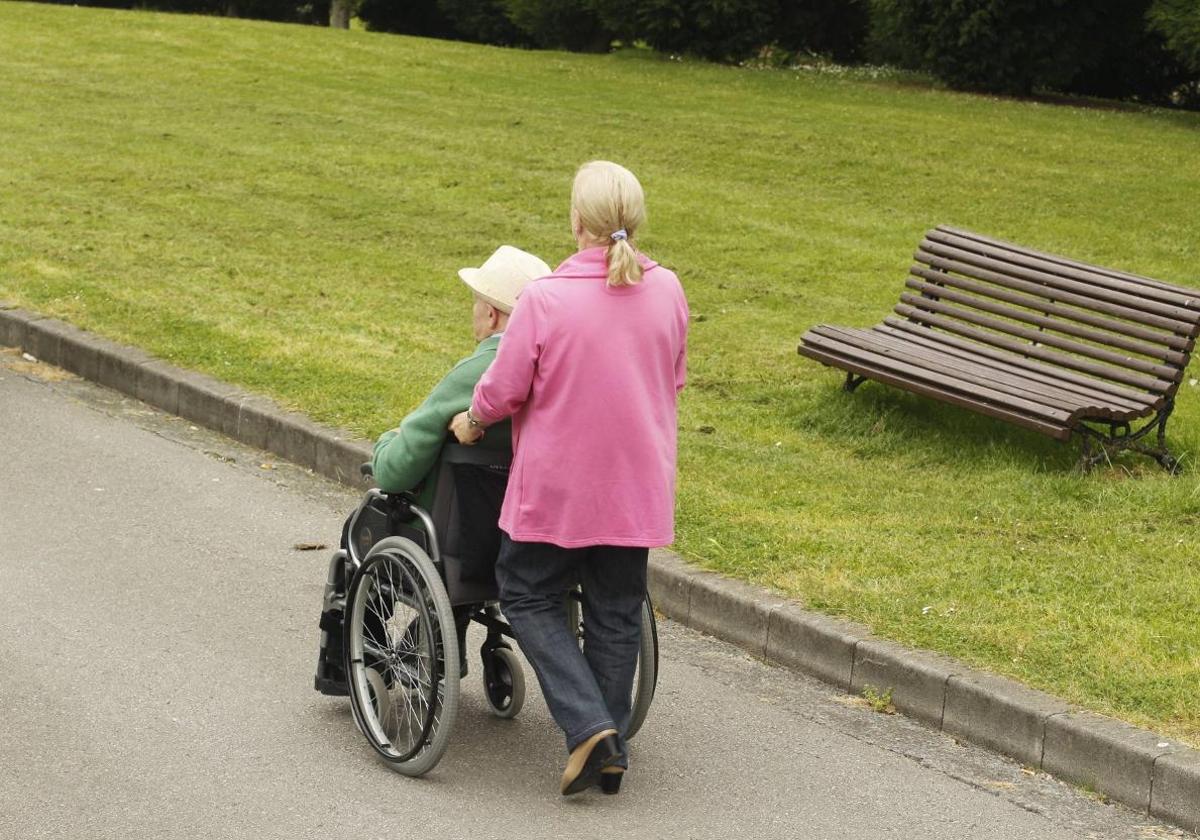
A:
[(608, 201)]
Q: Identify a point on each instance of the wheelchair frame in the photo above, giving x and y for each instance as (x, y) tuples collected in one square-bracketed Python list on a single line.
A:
[(419, 664)]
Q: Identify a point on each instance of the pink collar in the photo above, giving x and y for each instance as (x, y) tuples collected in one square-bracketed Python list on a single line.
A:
[(590, 262)]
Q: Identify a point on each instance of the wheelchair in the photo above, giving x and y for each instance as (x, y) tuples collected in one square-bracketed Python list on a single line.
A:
[(398, 600)]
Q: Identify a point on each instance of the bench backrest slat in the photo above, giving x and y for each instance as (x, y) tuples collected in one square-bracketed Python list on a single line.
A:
[(1105, 278), (1104, 324), (1042, 301), (1069, 327), (984, 336), (1191, 294), (1185, 320)]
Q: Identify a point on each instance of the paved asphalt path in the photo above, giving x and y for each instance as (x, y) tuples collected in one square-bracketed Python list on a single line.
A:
[(157, 645)]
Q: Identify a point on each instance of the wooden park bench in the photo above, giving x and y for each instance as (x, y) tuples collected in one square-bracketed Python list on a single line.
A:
[(1045, 342)]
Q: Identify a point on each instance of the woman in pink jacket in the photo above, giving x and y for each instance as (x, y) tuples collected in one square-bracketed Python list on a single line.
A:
[(589, 370)]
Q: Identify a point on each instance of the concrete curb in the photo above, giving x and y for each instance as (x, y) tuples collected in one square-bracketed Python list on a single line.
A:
[(1134, 766), (243, 416)]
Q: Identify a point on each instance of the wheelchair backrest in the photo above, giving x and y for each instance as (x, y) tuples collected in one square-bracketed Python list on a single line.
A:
[(460, 561)]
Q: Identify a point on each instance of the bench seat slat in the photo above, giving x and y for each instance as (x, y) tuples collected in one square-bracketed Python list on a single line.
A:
[(1137, 380), (1055, 430), (1081, 272), (1037, 337), (1006, 363), (1069, 393), (969, 371), (1047, 303), (1188, 294), (1186, 320), (945, 379), (1097, 390), (1056, 325)]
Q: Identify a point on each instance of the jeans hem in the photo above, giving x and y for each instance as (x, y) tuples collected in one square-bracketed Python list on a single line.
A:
[(588, 732)]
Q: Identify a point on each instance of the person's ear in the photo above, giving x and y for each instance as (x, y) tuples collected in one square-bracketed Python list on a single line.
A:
[(493, 316)]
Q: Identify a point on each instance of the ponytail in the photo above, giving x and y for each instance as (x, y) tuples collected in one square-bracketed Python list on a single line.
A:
[(623, 266)]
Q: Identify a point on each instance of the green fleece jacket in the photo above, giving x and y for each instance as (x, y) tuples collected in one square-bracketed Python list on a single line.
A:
[(404, 456)]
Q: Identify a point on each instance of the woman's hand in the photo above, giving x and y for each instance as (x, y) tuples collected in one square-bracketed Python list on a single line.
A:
[(468, 433)]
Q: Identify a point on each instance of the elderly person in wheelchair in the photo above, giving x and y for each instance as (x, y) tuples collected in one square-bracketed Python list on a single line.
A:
[(416, 563), (405, 458)]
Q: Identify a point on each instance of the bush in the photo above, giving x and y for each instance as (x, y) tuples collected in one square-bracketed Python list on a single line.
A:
[(891, 38), (836, 28), (1002, 46), (410, 17), (484, 21), (1096, 47), (290, 11), (1178, 22), (1124, 58), (566, 24), (719, 30), (283, 10), (731, 30)]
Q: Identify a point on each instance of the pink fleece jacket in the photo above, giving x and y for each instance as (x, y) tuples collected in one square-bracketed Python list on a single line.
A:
[(590, 374)]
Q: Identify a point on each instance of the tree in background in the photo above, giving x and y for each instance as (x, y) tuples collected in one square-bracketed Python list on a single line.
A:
[(410, 17), (560, 24), (1178, 22), (719, 30), (1000, 46), (288, 11), (485, 21), (1095, 47), (1124, 58), (340, 12), (834, 28)]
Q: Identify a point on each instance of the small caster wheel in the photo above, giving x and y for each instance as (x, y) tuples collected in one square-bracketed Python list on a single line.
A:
[(503, 682)]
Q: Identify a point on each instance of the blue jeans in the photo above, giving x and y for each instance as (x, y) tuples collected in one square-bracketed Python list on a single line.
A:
[(587, 691)]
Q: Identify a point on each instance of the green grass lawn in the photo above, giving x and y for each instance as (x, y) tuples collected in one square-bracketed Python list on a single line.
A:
[(285, 207)]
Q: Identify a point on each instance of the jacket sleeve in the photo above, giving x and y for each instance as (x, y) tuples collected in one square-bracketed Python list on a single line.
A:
[(405, 455), (681, 359), (505, 387)]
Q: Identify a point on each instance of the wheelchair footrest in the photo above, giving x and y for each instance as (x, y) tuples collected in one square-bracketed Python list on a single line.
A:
[(331, 687), (331, 676)]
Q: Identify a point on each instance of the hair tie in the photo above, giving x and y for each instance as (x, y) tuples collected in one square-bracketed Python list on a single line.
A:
[(620, 235)]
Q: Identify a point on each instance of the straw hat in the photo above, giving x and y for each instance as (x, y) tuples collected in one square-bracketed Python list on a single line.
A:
[(505, 274)]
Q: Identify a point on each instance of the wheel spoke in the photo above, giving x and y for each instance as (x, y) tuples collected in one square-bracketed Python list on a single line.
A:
[(399, 623)]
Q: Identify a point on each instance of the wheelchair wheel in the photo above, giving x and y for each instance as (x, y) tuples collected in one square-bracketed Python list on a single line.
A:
[(400, 639), (503, 682), (645, 679)]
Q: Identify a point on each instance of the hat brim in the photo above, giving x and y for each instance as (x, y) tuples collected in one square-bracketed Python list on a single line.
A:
[(470, 276)]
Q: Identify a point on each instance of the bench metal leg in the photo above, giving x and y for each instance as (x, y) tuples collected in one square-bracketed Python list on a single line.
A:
[(1121, 437), (853, 380)]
